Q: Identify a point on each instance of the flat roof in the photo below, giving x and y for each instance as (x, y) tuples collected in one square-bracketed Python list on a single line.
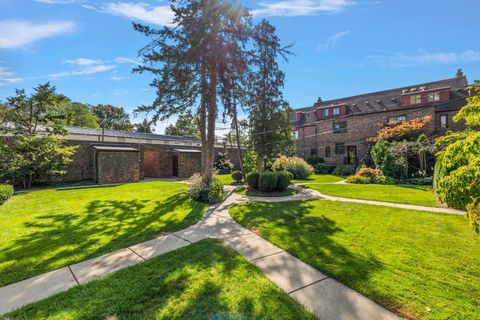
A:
[(114, 148), (187, 150)]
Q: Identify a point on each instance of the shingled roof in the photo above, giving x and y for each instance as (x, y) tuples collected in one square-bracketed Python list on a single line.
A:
[(388, 100)]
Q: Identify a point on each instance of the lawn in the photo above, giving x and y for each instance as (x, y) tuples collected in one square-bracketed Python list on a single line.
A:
[(225, 178), (319, 178), (45, 230), (418, 195), (202, 281), (244, 190), (418, 264)]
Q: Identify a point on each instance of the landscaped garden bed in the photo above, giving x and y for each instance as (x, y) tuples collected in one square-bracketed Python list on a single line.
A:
[(202, 281), (418, 264), (416, 195), (244, 190), (45, 230)]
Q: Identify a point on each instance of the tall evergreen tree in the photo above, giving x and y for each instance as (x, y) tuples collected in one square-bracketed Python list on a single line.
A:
[(187, 125), (190, 60), (271, 129), (111, 117)]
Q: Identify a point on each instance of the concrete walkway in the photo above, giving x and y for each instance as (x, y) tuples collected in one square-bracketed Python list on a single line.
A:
[(324, 296), (314, 194)]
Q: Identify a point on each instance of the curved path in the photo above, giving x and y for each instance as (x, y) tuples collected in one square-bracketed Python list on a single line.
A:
[(326, 297)]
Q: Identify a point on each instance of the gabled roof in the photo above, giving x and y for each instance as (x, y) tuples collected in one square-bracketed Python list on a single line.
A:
[(387, 100), (126, 134)]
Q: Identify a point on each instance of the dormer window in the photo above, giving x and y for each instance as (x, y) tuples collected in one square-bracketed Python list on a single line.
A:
[(336, 111), (434, 96), (325, 112), (415, 99), (293, 117)]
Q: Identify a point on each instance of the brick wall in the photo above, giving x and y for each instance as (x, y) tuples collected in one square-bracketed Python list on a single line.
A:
[(117, 166), (359, 129), (188, 164)]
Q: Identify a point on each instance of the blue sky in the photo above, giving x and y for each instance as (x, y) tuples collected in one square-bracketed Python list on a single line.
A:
[(87, 48)]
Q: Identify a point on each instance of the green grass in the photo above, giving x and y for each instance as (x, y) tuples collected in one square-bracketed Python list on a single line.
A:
[(202, 281), (44, 230), (409, 261), (417, 195), (319, 178), (225, 178), (244, 190)]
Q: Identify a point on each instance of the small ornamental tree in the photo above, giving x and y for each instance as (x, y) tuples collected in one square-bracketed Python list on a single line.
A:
[(458, 163), (401, 130)]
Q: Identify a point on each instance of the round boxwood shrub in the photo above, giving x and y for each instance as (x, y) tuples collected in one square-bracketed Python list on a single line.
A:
[(237, 176), (268, 182), (283, 180), (252, 179)]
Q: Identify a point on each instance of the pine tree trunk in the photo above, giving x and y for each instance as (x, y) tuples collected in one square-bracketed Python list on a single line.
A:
[(203, 118)]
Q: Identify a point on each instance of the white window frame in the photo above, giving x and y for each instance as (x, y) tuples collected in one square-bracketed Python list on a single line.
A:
[(416, 99), (295, 134), (434, 96), (443, 125), (325, 112), (336, 111)]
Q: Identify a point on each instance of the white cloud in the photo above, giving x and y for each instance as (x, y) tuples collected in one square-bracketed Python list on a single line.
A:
[(16, 34), (116, 78), (333, 40), (399, 59), (291, 8), (8, 77), (55, 1), (85, 67), (161, 15), (122, 60)]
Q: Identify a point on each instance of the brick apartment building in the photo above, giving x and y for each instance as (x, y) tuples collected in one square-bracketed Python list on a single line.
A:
[(337, 130)]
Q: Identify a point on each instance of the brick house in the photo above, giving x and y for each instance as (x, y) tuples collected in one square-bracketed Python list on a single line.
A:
[(337, 130), (117, 156)]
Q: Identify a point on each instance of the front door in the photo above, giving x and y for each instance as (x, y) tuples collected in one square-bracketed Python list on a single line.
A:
[(351, 154), (175, 165)]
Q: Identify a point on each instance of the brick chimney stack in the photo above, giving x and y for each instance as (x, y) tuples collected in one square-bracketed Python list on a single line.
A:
[(459, 73)]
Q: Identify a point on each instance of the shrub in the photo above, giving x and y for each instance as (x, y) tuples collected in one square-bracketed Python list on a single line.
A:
[(6, 191), (252, 179), (313, 161), (237, 176), (323, 168), (290, 175), (222, 164), (343, 171), (427, 181), (356, 178), (295, 165), (383, 158), (268, 182), (369, 173), (201, 191), (283, 180), (381, 179)]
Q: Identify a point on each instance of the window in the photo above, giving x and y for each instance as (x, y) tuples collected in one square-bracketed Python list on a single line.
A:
[(339, 148), (351, 155), (435, 96), (336, 111), (327, 151), (443, 121), (314, 152), (293, 117), (395, 119), (340, 127), (296, 134), (415, 99), (325, 112)]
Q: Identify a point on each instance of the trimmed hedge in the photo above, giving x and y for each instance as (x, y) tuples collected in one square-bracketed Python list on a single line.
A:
[(343, 171), (313, 161), (6, 191), (283, 180), (237, 176), (323, 168), (268, 182), (252, 179)]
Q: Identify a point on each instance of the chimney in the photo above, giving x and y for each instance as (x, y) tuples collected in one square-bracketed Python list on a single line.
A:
[(459, 73)]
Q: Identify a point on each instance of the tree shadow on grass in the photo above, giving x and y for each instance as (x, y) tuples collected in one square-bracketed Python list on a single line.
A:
[(201, 281), (56, 240), (297, 228)]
